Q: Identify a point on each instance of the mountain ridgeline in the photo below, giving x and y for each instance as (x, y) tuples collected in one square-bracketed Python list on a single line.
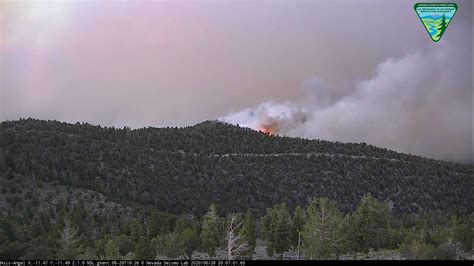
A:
[(184, 170)]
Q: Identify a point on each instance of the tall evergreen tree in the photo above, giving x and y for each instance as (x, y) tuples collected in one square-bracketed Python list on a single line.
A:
[(136, 230), (324, 230), (267, 231), (170, 246), (277, 226), (249, 230), (111, 250), (10, 245), (369, 225), (211, 235), (144, 250), (190, 242)]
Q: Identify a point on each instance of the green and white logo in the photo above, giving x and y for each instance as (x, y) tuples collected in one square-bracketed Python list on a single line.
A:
[(436, 17)]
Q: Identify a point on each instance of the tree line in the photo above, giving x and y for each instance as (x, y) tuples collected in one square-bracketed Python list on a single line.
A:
[(317, 231)]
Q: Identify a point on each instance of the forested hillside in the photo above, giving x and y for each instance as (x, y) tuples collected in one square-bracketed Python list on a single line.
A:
[(183, 170), (83, 191)]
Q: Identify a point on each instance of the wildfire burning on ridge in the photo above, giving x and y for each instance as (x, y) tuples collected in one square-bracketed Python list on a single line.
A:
[(270, 126), (266, 130), (269, 118)]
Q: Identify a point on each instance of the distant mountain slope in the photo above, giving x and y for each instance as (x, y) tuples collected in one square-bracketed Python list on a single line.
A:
[(183, 170)]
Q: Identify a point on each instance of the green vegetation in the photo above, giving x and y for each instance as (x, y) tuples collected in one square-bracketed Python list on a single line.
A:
[(325, 230), (249, 230), (87, 192), (326, 233), (211, 231)]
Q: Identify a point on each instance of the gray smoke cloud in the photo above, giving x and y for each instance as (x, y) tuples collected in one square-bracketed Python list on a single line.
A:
[(420, 103), (367, 70)]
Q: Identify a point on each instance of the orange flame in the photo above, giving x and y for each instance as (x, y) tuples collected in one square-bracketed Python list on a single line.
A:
[(266, 130)]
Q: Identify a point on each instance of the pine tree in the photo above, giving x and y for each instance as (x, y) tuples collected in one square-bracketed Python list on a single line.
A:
[(176, 244), (369, 225), (211, 234), (171, 246), (144, 250), (111, 251), (136, 230), (276, 227), (282, 229), (324, 231), (189, 241), (267, 231), (249, 231), (10, 244)]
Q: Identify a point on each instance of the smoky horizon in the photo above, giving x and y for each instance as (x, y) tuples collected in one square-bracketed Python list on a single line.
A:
[(363, 71)]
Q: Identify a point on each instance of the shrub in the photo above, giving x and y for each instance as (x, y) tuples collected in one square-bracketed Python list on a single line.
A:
[(418, 250), (449, 251)]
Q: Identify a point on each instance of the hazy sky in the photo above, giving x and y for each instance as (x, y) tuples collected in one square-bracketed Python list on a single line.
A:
[(155, 63)]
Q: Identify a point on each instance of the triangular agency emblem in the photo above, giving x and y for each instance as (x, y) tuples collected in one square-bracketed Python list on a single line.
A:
[(436, 17)]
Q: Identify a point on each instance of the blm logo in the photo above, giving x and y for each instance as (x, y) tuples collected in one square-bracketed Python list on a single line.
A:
[(436, 17)]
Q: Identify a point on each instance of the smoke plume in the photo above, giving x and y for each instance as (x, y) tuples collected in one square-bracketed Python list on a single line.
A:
[(420, 103)]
